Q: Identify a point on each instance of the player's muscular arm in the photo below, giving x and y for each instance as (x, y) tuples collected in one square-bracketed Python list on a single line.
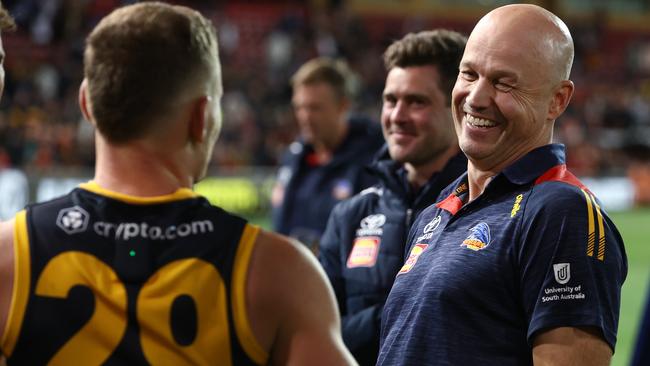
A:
[(291, 306), (6, 273), (571, 346)]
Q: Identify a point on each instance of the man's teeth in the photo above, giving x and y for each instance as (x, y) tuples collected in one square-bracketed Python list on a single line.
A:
[(479, 122)]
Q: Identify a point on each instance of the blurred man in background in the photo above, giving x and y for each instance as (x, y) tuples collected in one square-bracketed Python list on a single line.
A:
[(135, 268), (327, 164), (519, 264), (363, 245)]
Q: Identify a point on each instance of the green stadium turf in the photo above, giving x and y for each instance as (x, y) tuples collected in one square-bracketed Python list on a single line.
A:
[(634, 226)]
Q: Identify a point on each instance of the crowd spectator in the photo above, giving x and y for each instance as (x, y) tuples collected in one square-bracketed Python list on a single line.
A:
[(264, 44)]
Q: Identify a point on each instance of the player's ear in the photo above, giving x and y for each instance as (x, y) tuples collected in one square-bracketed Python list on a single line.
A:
[(84, 103), (198, 123)]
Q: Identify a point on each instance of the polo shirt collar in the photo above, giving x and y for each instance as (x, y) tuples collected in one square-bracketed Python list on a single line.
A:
[(535, 163)]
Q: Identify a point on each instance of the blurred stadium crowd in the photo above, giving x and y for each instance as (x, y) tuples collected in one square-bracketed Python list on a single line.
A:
[(606, 129)]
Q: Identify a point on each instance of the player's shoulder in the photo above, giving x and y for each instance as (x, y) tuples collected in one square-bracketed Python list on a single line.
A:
[(281, 270), (558, 195), (285, 264), (279, 258), (564, 202), (6, 246), (6, 234)]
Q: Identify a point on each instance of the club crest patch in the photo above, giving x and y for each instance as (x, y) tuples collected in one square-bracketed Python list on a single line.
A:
[(479, 237)]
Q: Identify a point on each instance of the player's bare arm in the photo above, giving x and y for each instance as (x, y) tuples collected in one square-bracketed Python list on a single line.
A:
[(6, 273), (286, 280), (571, 346)]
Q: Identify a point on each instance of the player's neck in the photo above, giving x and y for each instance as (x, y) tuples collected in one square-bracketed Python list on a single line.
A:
[(136, 171)]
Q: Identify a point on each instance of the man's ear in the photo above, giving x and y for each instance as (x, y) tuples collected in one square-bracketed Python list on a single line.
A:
[(198, 122), (561, 98), (84, 103)]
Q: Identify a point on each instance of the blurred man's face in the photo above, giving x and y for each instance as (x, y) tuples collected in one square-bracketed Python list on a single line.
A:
[(416, 117), (318, 111)]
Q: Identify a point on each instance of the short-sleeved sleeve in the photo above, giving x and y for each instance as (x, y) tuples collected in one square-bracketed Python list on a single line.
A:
[(572, 262)]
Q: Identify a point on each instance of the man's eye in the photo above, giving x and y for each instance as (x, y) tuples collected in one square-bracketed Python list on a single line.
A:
[(468, 75), (389, 101), (503, 87)]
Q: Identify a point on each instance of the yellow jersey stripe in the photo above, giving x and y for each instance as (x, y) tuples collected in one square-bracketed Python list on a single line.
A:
[(591, 236), (20, 291), (180, 194), (242, 325), (601, 232)]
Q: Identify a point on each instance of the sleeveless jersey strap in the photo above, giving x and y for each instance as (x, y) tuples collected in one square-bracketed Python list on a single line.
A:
[(243, 328)]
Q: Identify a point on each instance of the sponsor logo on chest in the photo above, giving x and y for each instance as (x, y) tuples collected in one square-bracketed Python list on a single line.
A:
[(371, 225), (415, 254), (72, 220), (427, 232), (364, 252)]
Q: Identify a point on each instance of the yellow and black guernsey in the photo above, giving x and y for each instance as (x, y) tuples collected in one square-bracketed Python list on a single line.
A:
[(106, 278)]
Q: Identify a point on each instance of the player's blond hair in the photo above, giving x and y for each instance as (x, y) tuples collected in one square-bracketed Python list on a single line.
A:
[(139, 59)]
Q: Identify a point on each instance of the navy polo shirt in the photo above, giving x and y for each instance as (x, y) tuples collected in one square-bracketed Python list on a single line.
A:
[(533, 252)]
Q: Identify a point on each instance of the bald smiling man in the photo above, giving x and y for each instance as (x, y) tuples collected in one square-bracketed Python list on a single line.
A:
[(517, 263)]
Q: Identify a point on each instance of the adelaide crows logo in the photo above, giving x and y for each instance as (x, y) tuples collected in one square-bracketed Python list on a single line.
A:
[(479, 237)]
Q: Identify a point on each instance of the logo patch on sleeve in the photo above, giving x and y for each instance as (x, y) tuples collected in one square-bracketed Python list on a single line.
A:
[(562, 272), (364, 252), (417, 250)]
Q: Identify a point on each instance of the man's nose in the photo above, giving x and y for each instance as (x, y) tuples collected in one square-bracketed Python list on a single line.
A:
[(480, 94), (399, 112)]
